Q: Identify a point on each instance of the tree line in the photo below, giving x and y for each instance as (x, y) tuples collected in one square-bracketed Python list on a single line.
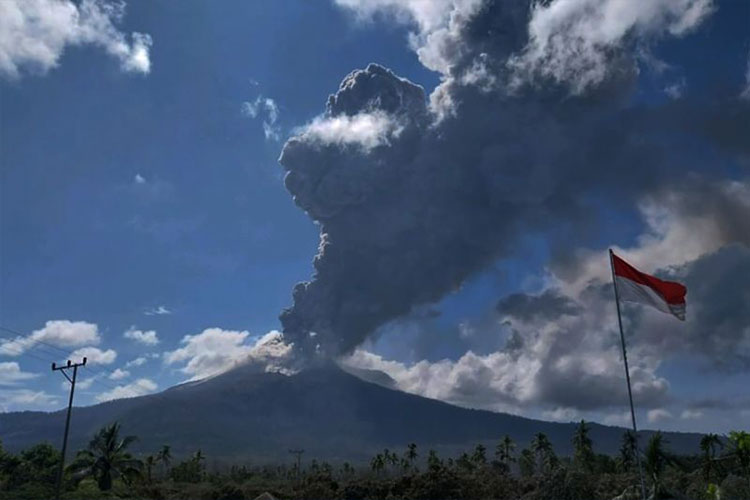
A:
[(106, 468)]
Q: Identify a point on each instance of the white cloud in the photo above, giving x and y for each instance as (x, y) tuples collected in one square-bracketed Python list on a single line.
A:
[(620, 418), (563, 354), (94, 355), (366, 130), (35, 33), (212, 351), (571, 40), (215, 350), (136, 388), (85, 383), (746, 91), (677, 89), (691, 414), (81, 383), (61, 333), (437, 24), (26, 399), (139, 179), (136, 362), (119, 374), (144, 337), (658, 415), (11, 373), (674, 234), (157, 311), (512, 380), (562, 415), (269, 110)]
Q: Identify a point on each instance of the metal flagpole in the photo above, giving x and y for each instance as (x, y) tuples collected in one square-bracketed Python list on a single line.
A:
[(627, 375)]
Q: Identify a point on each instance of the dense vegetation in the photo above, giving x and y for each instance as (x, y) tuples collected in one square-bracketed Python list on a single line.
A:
[(106, 469)]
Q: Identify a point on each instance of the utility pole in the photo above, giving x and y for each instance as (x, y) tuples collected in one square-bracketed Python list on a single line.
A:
[(299, 463), (72, 381)]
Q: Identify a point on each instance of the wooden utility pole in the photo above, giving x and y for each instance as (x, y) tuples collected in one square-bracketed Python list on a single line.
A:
[(72, 381)]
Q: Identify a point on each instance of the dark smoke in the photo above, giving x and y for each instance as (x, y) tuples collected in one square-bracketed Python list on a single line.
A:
[(406, 221)]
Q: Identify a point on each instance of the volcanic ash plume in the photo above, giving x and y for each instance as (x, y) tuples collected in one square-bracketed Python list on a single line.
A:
[(412, 198)]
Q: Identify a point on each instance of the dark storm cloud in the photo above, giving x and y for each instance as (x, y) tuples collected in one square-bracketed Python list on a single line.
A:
[(411, 199), (548, 305), (720, 404), (718, 326)]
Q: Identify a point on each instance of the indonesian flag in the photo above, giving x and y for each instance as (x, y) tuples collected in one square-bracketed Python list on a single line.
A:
[(635, 286)]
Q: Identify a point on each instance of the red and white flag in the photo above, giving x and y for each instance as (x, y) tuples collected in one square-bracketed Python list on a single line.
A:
[(635, 286)]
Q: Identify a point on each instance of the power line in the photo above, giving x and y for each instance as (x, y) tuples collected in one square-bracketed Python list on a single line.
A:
[(27, 353), (41, 343), (27, 338)]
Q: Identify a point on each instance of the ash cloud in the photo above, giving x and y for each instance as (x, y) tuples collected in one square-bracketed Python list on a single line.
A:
[(548, 305), (413, 195)]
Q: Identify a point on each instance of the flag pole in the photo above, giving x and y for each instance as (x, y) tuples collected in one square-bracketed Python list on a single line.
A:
[(627, 375)]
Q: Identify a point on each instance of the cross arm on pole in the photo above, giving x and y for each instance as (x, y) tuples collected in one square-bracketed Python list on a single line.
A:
[(62, 369)]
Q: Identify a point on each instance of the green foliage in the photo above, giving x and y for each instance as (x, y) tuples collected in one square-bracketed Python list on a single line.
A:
[(434, 464), (713, 492), (735, 488), (527, 463), (740, 447), (106, 458), (566, 484), (191, 470), (504, 454), (164, 457), (709, 445), (396, 476), (480, 455), (628, 450), (38, 464), (657, 458), (546, 459)]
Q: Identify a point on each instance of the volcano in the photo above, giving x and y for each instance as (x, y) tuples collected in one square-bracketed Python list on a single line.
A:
[(331, 414)]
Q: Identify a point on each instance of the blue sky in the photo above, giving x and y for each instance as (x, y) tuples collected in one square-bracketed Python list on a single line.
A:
[(151, 200), (210, 234)]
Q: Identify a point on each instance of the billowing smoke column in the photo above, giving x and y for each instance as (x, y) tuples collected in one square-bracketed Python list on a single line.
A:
[(412, 198)]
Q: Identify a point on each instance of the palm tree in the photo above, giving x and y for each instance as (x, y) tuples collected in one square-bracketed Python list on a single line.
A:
[(708, 445), (106, 457), (464, 462), (504, 452), (346, 469), (391, 457), (583, 446), (434, 464), (479, 457), (149, 464), (411, 453), (377, 463), (545, 455), (527, 463), (628, 450), (656, 460), (740, 448), (165, 457)]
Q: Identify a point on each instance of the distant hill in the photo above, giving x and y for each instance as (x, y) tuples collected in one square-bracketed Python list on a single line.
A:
[(332, 414)]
